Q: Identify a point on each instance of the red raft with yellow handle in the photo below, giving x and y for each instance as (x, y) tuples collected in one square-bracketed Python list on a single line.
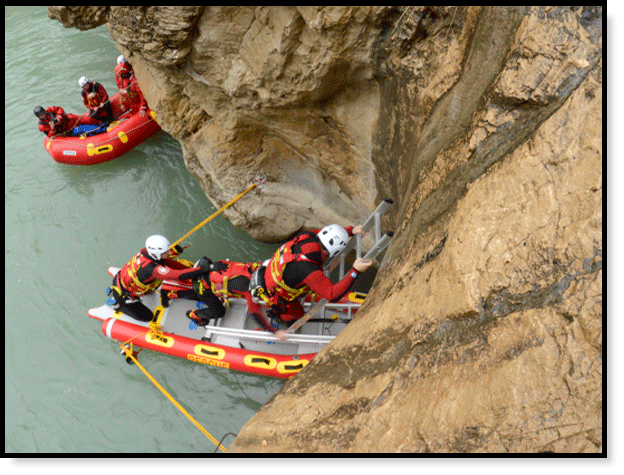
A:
[(235, 341), (117, 138)]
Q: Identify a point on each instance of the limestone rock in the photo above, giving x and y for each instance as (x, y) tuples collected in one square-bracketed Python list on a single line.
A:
[(163, 34), (483, 329), (284, 91), (483, 332), (83, 18)]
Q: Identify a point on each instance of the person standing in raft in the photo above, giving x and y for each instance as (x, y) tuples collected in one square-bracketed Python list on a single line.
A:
[(54, 121), (131, 95), (296, 269), (144, 273), (96, 100), (229, 280)]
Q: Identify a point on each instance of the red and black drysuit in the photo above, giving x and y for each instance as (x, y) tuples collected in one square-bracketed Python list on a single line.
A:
[(143, 275), (129, 90), (94, 95), (295, 270), (214, 287), (58, 122)]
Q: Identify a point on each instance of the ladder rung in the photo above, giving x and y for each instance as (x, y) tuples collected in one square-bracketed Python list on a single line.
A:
[(381, 241), (379, 246), (381, 209), (266, 336)]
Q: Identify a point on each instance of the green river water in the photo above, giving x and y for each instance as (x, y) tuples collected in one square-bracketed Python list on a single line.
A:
[(67, 389)]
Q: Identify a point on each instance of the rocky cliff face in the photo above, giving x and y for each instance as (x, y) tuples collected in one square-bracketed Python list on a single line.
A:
[(483, 330)]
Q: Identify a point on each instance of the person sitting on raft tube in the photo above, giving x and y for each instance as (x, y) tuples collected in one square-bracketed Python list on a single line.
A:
[(129, 90), (228, 280), (96, 100), (296, 269), (54, 121), (144, 273)]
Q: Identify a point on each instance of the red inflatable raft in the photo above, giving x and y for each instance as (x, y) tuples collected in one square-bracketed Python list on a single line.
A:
[(235, 341), (120, 137)]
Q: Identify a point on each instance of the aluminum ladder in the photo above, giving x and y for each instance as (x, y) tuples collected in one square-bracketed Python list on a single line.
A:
[(381, 242)]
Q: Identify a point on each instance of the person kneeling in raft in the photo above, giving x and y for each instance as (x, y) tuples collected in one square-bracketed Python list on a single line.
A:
[(226, 279), (144, 273)]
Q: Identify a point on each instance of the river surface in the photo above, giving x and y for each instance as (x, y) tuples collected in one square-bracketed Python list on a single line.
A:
[(67, 389)]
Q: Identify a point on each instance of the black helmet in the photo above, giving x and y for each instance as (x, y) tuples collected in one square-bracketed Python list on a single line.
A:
[(39, 111)]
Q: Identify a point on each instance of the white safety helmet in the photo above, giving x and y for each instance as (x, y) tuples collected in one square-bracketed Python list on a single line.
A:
[(121, 59), (83, 80), (156, 246), (334, 238)]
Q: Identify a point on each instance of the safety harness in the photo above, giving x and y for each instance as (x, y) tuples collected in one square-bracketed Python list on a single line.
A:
[(218, 282), (270, 286)]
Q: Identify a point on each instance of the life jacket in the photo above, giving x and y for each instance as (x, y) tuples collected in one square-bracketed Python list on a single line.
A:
[(128, 275), (130, 92), (125, 85), (123, 68), (58, 115), (96, 96), (276, 288), (129, 280), (218, 281)]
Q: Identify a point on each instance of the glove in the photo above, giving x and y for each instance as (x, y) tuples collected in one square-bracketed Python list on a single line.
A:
[(179, 249), (205, 264), (219, 266)]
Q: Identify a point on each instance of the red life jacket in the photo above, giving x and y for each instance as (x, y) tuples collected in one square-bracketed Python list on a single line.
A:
[(128, 93), (125, 69), (96, 96), (276, 288), (218, 281), (129, 279)]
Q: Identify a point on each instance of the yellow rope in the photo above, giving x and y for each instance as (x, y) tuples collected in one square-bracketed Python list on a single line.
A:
[(129, 354), (254, 184)]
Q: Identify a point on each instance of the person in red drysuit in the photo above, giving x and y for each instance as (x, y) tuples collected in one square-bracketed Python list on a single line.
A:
[(130, 92), (228, 280), (296, 269), (95, 99), (144, 273), (54, 121)]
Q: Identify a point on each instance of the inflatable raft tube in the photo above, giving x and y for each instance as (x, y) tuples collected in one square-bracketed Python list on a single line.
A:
[(211, 354), (234, 342), (119, 138)]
